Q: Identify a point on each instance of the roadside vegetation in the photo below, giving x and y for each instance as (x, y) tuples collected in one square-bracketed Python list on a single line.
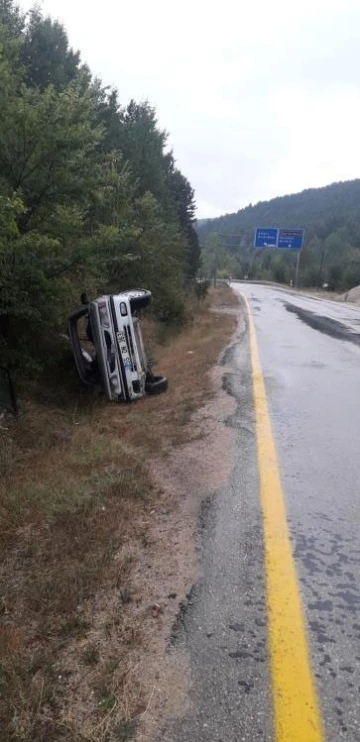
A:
[(76, 498), (331, 254), (91, 198)]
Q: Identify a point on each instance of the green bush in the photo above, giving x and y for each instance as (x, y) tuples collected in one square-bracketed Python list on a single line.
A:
[(351, 277), (169, 306), (335, 277)]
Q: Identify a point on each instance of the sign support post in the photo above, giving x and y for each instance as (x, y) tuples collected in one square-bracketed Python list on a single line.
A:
[(297, 269)]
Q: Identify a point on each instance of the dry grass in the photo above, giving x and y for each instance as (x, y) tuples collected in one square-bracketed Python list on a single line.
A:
[(75, 495)]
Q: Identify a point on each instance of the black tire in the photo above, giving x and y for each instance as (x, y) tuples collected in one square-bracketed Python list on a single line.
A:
[(157, 385), (139, 298)]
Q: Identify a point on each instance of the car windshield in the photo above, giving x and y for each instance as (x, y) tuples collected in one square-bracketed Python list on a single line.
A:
[(85, 336)]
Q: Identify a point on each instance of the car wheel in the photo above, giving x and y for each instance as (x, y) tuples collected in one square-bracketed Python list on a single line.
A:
[(157, 385), (139, 298)]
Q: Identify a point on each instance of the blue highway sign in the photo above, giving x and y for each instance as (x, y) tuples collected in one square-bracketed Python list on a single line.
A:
[(265, 237), (290, 239)]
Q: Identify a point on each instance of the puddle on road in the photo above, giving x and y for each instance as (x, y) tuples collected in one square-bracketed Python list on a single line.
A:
[(326, 325)]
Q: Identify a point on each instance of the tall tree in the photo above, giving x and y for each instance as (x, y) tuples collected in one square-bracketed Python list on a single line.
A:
[(142, 143), (184, 199), (48, 165), (46, 54), (12, 19)]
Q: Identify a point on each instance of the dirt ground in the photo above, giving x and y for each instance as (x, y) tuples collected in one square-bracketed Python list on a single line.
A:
[(99, 510)]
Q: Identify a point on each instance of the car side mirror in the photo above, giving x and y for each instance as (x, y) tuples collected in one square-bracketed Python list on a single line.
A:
[(84, 298)]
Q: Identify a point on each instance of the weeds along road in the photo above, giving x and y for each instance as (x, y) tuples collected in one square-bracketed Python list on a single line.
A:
[(273, 628)]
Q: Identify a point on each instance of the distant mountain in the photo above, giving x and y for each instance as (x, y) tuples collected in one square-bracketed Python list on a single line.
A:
[(201, 222), (331, 218), (305, 209)]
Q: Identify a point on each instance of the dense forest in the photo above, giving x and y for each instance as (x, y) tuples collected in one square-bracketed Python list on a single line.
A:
[(331, 253), (90, 195)]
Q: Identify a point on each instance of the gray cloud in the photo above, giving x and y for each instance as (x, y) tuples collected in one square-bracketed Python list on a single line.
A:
[(259, 100)]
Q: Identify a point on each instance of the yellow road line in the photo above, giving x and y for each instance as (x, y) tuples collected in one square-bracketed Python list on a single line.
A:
[(296, 710)]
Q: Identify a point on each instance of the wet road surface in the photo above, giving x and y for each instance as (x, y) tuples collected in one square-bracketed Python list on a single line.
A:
[(310, 359)]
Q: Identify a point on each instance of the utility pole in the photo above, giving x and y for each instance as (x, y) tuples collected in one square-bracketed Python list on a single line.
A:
[(321, 265), (215, 267)]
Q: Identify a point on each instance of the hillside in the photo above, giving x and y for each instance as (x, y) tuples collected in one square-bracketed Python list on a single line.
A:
[(331, 218)]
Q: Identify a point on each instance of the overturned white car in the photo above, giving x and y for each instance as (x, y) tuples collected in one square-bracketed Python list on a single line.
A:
[(108, 346)]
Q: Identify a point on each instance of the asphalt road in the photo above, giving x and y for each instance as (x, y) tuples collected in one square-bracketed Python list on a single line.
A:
[(309, 351)]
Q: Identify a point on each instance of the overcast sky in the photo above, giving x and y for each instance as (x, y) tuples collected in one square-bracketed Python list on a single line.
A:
[(260, 98)]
